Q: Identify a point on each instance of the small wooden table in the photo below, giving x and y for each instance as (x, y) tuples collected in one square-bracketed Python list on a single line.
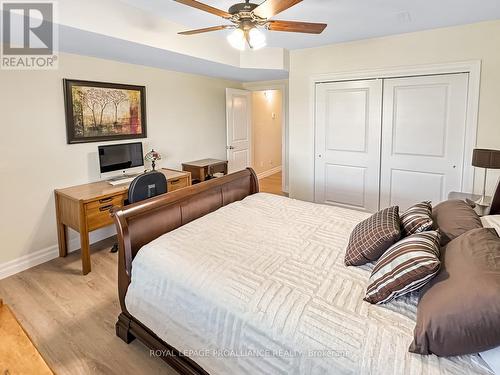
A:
[(87, 207), (200, 169), (18, 355)]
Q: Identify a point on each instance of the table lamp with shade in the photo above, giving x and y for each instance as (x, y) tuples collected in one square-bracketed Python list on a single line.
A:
[(152, 156), (487, 159)]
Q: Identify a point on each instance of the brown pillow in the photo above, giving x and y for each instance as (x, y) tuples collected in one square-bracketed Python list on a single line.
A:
[(373, 236), (417, 218), (459, 310), (453, 218)]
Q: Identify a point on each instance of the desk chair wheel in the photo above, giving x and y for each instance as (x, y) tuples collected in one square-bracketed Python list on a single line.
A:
[(114, 249)]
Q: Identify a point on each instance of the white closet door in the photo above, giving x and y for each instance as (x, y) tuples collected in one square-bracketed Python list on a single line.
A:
[(423, 136), (347, 161)]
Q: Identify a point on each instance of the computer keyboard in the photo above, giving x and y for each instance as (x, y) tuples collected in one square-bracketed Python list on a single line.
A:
[(120, 180)]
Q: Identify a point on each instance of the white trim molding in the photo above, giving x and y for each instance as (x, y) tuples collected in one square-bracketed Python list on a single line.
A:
[(269, 172), (27, 261), (44, 255), (472, 67)]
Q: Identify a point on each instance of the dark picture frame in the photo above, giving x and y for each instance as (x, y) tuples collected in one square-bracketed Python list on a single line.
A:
[(103, 111)]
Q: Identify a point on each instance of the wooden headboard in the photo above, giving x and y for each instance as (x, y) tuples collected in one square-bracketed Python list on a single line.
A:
[(495, 203), (141, 223)]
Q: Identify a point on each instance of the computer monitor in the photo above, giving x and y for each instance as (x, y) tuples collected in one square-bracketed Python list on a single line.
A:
[(120, 157)]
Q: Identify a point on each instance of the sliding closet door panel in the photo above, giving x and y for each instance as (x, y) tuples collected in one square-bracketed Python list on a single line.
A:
[(347, 164), (423, 136)]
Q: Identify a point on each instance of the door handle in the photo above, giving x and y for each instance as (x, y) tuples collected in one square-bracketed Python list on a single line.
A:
[(229, 147)]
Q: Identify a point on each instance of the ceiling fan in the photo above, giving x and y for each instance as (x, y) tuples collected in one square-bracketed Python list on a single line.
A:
[(248, 17)]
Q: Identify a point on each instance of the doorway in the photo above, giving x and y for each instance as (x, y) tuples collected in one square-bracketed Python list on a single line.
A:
[(256, 134), (267, 120)]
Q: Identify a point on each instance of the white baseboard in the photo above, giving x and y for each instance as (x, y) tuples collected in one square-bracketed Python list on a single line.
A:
[(44, 255), (269, 172)]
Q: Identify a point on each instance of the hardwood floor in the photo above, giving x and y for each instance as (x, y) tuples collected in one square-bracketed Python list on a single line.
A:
[(272, 184), (71, 318)]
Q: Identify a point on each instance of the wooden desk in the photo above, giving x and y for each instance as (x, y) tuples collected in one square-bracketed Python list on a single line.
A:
[(18, 355), (85, 208), (200, 169)]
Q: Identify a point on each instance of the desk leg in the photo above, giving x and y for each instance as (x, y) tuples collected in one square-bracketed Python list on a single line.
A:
[(61, 230), (84, 241), (202, 174), (62, 239), (85, 249)]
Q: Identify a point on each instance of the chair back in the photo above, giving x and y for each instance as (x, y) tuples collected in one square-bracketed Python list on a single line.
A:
[(147, 185)]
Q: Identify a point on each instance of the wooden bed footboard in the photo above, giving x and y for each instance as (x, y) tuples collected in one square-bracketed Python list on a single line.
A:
[(141, 223)]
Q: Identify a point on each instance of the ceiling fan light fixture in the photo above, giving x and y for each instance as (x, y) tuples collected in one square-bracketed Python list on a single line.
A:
[(247, 17), (256, 39), (237, 39)]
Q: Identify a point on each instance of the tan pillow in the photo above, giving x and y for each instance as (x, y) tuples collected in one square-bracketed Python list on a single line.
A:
[(373, 236), (453, 218), (459, 310), (407, 266)]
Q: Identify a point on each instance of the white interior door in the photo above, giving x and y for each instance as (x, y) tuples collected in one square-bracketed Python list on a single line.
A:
[(239, 131), (347, 161), (423, 137)]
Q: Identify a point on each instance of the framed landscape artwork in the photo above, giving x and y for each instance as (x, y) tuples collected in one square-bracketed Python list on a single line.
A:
[(98, 111)]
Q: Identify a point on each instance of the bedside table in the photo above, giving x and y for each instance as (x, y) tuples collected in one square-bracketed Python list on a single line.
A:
[(471, 199)]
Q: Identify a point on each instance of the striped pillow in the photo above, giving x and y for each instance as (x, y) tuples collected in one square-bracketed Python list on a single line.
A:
[(417, 218), (404, 267)]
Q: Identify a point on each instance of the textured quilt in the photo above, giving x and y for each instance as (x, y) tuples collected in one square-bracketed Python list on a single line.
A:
[(259, 287)]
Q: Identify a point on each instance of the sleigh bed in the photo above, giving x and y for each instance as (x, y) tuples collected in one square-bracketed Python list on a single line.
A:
[(219, 278)]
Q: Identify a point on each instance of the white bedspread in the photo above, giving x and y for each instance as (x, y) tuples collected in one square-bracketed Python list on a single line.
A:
[(259, 287)]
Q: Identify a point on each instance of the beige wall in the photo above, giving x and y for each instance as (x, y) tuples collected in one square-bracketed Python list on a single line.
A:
[(185, 119), (471, 42), (266, 129)]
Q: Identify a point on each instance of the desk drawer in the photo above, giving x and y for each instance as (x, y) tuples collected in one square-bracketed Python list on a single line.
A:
[(98, 212), (177, 183)]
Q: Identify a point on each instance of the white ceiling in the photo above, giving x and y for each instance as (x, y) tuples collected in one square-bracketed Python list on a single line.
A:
[(347, 20), (145, 31)]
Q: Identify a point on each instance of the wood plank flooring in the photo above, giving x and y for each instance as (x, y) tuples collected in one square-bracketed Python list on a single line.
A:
[(71, 318), (271, 184)]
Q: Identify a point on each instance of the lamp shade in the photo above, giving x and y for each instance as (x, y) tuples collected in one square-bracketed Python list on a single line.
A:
[(484, 158), (152, 156)]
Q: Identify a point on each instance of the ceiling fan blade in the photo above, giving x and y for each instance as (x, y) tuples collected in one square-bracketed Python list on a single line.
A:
[(207, 29), (205, 7), (271, 8), (296, 27)]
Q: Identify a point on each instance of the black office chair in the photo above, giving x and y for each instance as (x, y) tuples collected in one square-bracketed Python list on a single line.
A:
[(145, 186)]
